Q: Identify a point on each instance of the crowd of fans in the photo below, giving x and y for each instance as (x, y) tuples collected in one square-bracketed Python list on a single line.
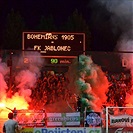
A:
[(53, 87), (120, 85), (50, 88)]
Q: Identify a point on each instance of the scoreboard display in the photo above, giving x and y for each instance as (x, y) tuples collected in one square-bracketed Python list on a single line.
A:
[(54, 43), (59, 61)]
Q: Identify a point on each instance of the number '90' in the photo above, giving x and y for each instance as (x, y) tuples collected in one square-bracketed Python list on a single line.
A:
[(54, 61)]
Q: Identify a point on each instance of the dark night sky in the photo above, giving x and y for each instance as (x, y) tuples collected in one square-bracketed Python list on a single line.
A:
[(96, 15), (31, 10)]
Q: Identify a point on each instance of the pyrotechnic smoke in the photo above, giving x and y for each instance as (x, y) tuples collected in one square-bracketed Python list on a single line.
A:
[(28, 74), (3, 86), (3, 89), (24, 76), (91, 84), (122, 13), (25, 80), (122, 20)]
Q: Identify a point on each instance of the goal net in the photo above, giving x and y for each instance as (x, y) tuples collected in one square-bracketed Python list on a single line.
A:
[(119, 119)]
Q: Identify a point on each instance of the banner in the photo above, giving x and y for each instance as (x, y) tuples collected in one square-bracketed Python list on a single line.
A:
[(93, 119), (121, 120), (119, 130), (68, 130), (31, 118), (63, 119)]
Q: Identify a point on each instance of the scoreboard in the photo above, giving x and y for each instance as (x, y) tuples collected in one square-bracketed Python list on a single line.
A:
[(54, 43), (56, 47)]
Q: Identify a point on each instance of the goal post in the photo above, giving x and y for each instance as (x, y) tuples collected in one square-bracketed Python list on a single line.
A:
[(119, 118)]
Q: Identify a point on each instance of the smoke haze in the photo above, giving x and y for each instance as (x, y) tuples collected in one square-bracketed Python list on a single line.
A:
[(24, 77), (122, 20), (91, 84)]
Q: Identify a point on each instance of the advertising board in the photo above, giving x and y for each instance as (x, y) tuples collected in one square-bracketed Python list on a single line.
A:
[(68, 130), (124, 120), (31, 118), (93, 119), (63, 119)]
